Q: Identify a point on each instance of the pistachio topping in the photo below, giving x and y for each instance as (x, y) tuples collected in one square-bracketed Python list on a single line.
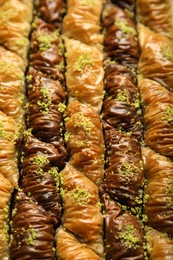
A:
[(167, 52), (32, 235), (124, 27), (46, 104), (84, 122), (80, 195), (127, 236), (45, 40), (123, 96), (169, 192), (83, 61), (7, 13), (61, 107), (40, 160), (127, 170), (169, 115)]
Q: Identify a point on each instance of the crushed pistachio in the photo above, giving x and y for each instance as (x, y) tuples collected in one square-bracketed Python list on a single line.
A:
[(169, 192), (167, 52), (45, 40), (32, 235), (60, 66), (127, 236), (84, 122), (124, 27), (39, 160), (22, 42), (7, 13), (127, 170), (46, 104), (169, 115), (68, 136), (29, 78), (54, 173), (81, 195), (28, 132), (1, 130), (83, 61), (123, 96)]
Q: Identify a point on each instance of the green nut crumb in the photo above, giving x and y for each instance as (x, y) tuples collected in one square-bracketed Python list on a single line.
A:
[(127, 170), (167, 52), (83, 61), (169, 115), (81, 195), (124, 27), (32, 235), (123, 96), (127, 235)]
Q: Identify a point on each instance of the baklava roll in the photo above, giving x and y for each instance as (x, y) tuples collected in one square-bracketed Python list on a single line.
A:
[(82, 212), (8, 156), (51, 11), (158, 117), (159, 245), (121, 105), (32, 230), (6, 190), (68, 247), (120, 36), (124, 234), (156, 60), (40, 178), (84, 73), (15, 20), (124, 171), (46, 105), (82, 21), (47, 50), (158, 191), (12, 85), (156, 14), (85, 144)]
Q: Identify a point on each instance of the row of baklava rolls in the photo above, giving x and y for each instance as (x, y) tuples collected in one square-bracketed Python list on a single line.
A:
[(15, 24), (81, 234), (36, 209), (124, 180), (156, 90)]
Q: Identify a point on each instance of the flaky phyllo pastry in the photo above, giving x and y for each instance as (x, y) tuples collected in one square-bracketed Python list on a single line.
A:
[(158, 191), (84, 139), (156, 14), (159, 245), (82, 21), (82, 213), (158, 116), (8, 159), (156, 60), (11, 85), (123, 232), (15, 25), (70, 248), (6, 190), (33, 230), (84, 73)]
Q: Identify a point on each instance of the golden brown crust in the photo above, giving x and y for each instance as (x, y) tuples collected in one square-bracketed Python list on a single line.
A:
[(158, 117), (84, 139), (158, 191)]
